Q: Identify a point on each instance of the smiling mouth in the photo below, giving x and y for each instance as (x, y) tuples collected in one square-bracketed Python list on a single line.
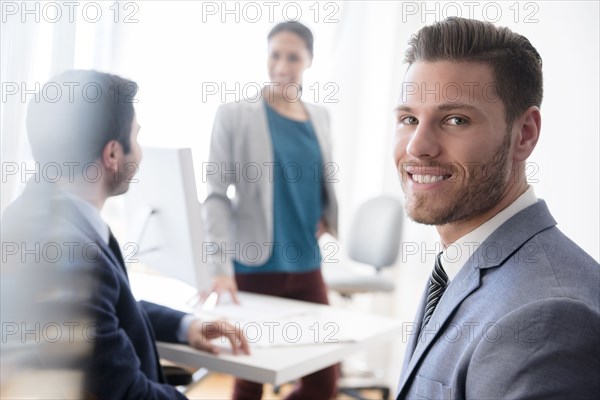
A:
[(422, 178)]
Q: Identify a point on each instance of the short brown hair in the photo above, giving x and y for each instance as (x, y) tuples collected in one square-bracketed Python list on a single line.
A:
[(516, 64), (76, 128)]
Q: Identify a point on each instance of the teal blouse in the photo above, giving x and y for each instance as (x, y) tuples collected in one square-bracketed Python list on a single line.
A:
[(297, 197)]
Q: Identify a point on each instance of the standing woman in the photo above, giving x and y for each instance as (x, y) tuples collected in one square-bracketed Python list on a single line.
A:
[(274, 150)]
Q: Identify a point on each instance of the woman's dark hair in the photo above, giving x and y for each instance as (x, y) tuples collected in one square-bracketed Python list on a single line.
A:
[(297, 28), (77, 113)]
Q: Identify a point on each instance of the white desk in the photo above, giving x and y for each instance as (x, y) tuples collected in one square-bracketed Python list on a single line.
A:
[(277, 365)]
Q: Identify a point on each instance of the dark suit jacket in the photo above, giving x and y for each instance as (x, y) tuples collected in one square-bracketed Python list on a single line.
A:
[(521, 320), (124, 363)]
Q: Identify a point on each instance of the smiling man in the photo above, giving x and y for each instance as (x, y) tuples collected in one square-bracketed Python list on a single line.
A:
[(512, 308)]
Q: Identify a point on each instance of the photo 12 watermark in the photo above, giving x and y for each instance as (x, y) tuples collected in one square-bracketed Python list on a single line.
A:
[(266, 171), (291, 252), (325, 12), (67, 92), (253, 92), (53, 12), (277, 333), (63, 252), (474, 332), (491, 11), (48, 332), (67, 171), (478, 253), (461, 173)]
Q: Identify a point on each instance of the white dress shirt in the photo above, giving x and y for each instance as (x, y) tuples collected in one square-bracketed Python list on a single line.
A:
[(92, 215), (455, 255)]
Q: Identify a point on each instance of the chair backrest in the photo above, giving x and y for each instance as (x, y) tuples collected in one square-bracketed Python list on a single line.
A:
[(374, 236)]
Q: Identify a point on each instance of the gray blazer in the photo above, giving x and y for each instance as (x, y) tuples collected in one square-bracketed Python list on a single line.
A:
[(521, 320), (241, 155)]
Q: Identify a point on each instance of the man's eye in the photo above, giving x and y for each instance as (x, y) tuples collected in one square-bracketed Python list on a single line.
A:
[(456, 121), (409, 120)]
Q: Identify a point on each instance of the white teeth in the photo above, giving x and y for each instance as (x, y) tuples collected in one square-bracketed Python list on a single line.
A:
[(427, 178)]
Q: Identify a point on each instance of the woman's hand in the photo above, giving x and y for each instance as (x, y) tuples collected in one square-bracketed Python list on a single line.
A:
[(225, 284)]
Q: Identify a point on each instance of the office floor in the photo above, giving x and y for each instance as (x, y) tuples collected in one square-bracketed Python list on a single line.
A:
[(219, 387)]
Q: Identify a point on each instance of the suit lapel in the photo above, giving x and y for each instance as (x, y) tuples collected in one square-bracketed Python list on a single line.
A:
[(506, 240), (465, 283), (260, 137), (260, 150), (319, 126)]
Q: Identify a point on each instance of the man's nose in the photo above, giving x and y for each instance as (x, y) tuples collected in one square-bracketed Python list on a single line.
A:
[(424, 142)]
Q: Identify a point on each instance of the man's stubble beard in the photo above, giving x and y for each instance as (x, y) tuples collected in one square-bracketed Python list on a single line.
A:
[(484, 189)]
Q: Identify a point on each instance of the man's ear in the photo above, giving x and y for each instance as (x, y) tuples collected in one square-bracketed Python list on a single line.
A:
[(111, 155), (528, 128)]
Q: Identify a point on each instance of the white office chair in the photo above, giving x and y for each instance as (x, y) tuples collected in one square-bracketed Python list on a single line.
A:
[(373, 241)]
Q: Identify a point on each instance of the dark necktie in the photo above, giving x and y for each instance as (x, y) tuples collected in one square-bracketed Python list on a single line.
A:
[(114, 247), (437, 285)]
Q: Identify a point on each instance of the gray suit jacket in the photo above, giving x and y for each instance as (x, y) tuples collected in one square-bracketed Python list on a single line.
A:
[(241, 154), (521, 320)]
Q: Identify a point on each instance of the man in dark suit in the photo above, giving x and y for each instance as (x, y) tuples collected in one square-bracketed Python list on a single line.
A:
[(89, 135), (512, 308)]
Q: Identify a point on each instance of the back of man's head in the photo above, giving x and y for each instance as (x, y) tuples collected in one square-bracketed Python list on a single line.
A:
[(516, 64), (77, 113)]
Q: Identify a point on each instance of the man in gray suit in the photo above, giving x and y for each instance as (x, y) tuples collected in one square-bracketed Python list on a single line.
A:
[(512, 308)]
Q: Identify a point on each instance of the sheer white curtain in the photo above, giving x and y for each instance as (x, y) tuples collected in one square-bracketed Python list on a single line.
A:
[(35, 46), (22, 65)]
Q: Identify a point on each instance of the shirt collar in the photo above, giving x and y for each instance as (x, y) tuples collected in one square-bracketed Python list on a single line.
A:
[(455, 256), (92, 214)]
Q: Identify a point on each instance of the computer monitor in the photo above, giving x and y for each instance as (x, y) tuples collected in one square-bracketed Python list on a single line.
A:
[(164, 216)]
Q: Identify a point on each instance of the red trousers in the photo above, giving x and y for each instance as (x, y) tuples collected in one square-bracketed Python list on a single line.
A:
[(305, 286)]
